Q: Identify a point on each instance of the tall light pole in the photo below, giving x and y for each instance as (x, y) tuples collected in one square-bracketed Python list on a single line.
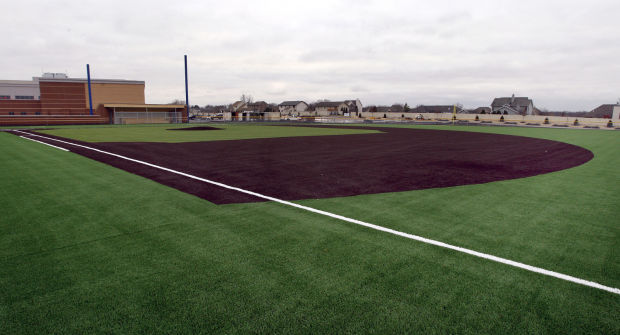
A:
[(90, 95), (186, 92)]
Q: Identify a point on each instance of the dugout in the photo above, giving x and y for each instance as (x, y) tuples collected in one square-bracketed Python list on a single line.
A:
[(144, 113)]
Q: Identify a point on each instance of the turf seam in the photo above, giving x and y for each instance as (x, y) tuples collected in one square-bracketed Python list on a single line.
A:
[(358, 222), (78, 244)]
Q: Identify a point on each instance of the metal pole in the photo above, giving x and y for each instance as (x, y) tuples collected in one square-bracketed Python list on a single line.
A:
[(186, 92), (90, 95)]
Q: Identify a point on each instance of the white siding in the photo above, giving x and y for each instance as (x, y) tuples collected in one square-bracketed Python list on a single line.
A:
[(14, 88)]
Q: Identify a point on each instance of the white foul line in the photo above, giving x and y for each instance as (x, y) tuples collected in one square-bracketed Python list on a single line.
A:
[(53, 146), (362, 223)]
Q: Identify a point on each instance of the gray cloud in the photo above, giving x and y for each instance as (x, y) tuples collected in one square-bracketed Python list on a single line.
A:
[(561, 53)]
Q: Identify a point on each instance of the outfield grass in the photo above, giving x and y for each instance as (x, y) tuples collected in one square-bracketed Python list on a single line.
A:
[(88, 248), (162, 133)]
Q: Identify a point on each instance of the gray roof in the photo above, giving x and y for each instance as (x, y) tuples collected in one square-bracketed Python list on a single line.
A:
[(84, 80), (433, 109), (329, 103), (17, 82), (518, 102), (291, 103), (602, 110)]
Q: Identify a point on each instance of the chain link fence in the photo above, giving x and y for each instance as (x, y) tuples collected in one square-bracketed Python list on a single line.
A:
[(147, 117)]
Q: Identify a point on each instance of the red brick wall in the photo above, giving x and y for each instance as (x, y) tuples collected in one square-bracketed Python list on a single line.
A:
[(30, 107), (58, 98)]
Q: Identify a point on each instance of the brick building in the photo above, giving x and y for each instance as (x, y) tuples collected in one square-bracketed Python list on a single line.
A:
[(57, 99)]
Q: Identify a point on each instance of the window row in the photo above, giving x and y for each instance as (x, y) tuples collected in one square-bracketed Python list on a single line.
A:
[(24, 113), (18, 97)]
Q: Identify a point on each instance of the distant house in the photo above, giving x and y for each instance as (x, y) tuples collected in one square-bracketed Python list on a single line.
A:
[(512, 106), (256, 107), (331, 108), (355, 107), (603, 111), (237, 105), (345, 108), (434, 109), (292, 107), (481, 110)]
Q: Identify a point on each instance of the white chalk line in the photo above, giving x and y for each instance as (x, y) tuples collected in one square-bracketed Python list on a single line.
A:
[(53, 146), (362, 223)]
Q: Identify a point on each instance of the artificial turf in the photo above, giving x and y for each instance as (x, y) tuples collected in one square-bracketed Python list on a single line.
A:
[(86, 248)]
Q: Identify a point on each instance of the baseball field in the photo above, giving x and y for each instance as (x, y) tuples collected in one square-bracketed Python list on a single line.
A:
[(251, 228)]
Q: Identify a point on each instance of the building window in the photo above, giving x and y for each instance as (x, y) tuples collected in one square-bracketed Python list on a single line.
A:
[(5, 97), (24, 97), (23, 113), (11, 113), (37, 113)]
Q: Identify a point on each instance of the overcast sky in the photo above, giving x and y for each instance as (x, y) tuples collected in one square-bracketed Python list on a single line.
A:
[(565, 55)]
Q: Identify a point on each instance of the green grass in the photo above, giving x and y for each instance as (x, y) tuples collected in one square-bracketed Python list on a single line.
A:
[(87, 248), (162, 133)]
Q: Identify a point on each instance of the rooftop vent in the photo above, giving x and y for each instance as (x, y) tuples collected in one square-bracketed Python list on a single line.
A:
[(55, 75)]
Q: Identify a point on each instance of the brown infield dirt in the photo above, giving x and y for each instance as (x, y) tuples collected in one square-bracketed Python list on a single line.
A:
[(196, 128), (294, 168)]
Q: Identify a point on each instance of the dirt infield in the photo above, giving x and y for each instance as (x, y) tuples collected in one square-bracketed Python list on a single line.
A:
[(293, 168), (196, 128)]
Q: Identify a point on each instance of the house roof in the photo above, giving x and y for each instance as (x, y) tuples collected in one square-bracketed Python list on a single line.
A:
[(433, 109), (602, 110), (518, 101), (510, 108), (290, 103), (329, 104)]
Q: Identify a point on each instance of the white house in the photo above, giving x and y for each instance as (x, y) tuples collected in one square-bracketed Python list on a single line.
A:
[(292, 107), (327, 108), (345, 108)]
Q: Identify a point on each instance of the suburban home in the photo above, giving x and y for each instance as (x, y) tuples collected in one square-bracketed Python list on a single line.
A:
[(434, 109), (481, 110), (256, 107), (512, 106), (345, 108), (325, 108), (355, 107), (292, 107), (237, 105)]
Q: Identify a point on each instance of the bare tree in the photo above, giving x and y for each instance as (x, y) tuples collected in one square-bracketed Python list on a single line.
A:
[(246, 98), (177, 102)]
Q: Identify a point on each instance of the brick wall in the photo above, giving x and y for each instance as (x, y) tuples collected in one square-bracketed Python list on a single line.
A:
[(17, 107), (58, 98)]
